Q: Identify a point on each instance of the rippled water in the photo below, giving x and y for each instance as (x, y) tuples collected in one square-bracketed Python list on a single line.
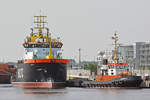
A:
[(10, 93)]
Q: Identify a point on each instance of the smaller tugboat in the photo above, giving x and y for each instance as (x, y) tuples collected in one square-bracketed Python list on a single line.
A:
[(113, 75), (6, 71)]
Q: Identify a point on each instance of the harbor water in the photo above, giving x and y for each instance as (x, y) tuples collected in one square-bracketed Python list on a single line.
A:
[(7, 92)]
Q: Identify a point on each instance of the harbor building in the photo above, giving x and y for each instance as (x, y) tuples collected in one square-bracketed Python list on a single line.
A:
[(137, 55)]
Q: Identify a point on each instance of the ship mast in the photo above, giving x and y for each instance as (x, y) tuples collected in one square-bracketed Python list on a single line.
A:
[(50, 47), (115, 38), (40, 22)]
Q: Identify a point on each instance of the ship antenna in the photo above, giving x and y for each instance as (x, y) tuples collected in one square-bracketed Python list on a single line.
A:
[(47, 31), (40, 24), (115, 38), (31, 31)]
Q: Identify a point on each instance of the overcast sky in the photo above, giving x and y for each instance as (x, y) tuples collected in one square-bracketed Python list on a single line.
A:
[(85, 24)]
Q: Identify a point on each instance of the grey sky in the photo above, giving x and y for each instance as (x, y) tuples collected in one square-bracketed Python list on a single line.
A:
[(85, 24)]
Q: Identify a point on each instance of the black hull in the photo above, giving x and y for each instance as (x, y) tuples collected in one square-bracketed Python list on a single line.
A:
[(125, 82), (52, 73)]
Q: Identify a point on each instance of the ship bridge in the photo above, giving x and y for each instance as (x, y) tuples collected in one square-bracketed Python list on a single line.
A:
[(40, 45)]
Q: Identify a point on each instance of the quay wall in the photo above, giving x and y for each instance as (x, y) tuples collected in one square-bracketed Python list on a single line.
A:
[(145, 74), (78, 73)]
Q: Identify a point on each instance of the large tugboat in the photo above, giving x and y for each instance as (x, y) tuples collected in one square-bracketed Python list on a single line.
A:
[(112, 75), (42, 66)]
